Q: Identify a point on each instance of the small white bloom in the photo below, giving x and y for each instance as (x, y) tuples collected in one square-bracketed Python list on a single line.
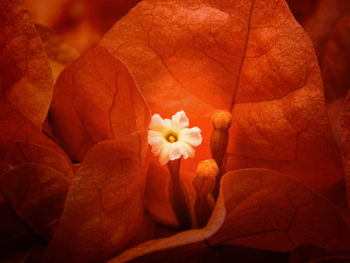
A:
[(171, 138)]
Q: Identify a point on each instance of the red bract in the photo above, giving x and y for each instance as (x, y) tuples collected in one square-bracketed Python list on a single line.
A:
[(104, 206), (327, 23), (252, 59), (26, 81), (34, 182), (15, 127), (95, 99), (257, 208), (345, 125), (281, 171)]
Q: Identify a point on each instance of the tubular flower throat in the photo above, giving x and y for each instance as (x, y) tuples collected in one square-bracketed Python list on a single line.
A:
[(171, 139)]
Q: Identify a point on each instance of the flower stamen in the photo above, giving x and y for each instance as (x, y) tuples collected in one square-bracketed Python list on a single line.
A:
[(171, 137)]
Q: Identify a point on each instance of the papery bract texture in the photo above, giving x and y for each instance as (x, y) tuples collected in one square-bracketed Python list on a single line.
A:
[(32, 193), (345, 128), (327, 23), (25, 74), (34, 180), (270, 210), (15, 127), (95, 99), (104, 205), (248, 57), (256, 208), (35, 195), (19, 152)]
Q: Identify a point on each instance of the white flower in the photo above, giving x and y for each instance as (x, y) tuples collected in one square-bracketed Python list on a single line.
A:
[(171, 138)]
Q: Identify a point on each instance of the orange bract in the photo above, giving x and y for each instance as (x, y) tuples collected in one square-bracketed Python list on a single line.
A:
[(249, 57), (20, 152), (327, 23), (345, 128), (15, 127), (273, 211), (104, 206), (35, 195), (25, 74), (257, 208), (95, 99)]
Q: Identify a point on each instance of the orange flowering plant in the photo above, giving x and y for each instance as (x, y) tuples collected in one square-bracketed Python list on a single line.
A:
[(194, 131)]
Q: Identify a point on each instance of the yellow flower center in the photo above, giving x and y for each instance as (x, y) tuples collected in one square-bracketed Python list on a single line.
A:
[(171, 137)]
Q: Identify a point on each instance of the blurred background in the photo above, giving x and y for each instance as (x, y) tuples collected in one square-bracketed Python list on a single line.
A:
[(81, 22)]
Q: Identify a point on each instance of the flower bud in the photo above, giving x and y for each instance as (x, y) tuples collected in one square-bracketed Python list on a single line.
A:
[(221, 120), (204, 183), (207, 169), (219, 141), (219, 136)]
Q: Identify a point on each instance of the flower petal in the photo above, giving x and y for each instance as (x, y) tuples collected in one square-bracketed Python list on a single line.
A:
[(189, 152), (157, 123), (156, 144), (180, 119), (176, 151), (168, 125), (164, 154), (192, 136), (152, 133)]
